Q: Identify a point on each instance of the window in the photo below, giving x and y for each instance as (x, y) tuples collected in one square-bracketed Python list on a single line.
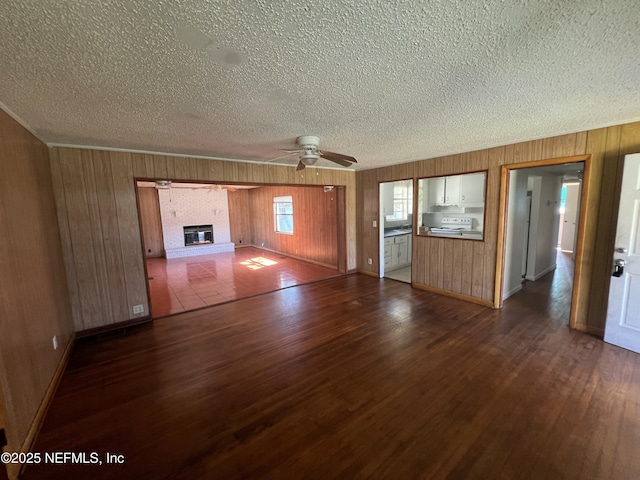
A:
[(283, 212), (402, 201)]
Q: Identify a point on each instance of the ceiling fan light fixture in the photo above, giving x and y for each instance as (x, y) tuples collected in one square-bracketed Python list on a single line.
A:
[(308, 158)]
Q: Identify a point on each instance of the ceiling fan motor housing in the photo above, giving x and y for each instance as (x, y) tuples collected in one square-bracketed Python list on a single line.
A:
[(309, 144)]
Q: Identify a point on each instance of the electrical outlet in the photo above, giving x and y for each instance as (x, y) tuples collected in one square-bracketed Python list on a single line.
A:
[(138, 309), (55, 342), (370, 261)]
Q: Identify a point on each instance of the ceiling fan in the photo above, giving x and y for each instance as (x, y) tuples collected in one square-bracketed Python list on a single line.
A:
[(309, 153)]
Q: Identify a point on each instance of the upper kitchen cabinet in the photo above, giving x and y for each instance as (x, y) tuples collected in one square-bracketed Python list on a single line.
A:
[(472, 189), (444, 190), (452, 205)]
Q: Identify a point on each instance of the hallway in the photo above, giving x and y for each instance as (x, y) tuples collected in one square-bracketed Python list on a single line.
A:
[(554, 290)]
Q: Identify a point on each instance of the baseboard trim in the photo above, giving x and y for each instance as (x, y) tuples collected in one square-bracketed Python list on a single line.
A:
[(459, 296), (513, 291), (315, 262), (90, 332), (537, 277), (595, 331), (369, 274), (15, 469)]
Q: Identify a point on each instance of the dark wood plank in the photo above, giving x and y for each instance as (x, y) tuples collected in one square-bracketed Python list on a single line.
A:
[(351, 377)]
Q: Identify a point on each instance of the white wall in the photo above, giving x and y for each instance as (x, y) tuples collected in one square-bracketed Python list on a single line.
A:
[(545, 219), (180, 207), (514, 243)]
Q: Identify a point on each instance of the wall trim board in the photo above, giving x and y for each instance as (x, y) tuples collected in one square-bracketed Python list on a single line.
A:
[(595, 331), (541, 274), (14, 468), (168, 154), (92, 332), (459, 296), (582, 222), (302, 259), (513, 291), (369, 274)]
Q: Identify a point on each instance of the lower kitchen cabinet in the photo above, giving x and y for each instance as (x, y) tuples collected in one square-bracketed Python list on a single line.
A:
[(397, 252)]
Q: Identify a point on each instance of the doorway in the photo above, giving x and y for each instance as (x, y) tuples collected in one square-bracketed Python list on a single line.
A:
[(396, 229), (207, 243), (540, 215)]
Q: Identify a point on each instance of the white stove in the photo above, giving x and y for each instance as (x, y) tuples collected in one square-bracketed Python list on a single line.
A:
[(453, 225)]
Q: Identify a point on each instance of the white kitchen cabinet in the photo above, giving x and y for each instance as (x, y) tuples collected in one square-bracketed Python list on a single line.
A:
[(444, 190), (472, 190), (396, 252), (387, 198)]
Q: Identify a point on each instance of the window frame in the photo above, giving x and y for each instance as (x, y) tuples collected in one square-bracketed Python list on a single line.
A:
[(282, 201)]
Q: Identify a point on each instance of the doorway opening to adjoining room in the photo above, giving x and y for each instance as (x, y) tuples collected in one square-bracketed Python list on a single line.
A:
[(532, 208), (210, 243)]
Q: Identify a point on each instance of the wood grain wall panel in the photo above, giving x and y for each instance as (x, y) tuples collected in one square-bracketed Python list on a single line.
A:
[(110, 240), (150, 222), (96, 232), (79, 219), (240, 217), (452, 266), (315, 235), (34, 300), (120, 243), (65, 236), (129, 231)]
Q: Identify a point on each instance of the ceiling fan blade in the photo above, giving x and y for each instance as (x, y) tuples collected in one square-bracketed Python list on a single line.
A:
[(284, 156), (300, 166), (297, 150), (338, 158)]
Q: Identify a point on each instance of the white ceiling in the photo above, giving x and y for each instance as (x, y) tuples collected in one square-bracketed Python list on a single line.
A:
[(384, 81)]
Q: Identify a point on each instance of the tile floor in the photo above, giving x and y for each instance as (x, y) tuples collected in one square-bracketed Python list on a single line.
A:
[(401, 274), (182, 284)]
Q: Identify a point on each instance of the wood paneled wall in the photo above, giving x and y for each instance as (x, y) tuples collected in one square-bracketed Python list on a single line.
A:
[(467, 267), (151, 222), (239, 217), (315, 217), (34, 301), (96, 203)]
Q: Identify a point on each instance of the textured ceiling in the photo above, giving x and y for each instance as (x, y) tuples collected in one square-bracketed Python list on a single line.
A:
[(384, 81)]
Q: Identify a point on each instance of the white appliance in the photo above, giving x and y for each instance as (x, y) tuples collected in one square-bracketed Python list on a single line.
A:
[(453, 225)]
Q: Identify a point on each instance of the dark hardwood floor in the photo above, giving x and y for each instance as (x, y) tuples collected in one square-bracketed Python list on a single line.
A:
[(350, 377)]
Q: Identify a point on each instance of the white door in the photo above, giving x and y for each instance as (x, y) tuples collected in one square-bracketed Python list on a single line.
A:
[(567, 242), (623, 313)]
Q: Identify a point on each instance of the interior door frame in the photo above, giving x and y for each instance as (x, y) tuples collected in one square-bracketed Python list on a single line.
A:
[(580, 247)]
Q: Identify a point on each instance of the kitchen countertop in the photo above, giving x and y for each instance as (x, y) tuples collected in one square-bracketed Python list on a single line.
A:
[(397, 231)]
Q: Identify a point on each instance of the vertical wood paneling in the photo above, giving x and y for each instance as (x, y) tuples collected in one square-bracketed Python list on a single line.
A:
[(448, 264), (96, 232), (240, 217), (607, 146), (34, 300), (114, 233), (150, 222), (129, 232), (79, 221), (315, 235), (111, 242)]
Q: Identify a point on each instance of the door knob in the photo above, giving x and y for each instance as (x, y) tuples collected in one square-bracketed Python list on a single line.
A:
[(618, 267)]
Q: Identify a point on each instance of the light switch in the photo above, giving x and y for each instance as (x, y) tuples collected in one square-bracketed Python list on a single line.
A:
[(375, 224)]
